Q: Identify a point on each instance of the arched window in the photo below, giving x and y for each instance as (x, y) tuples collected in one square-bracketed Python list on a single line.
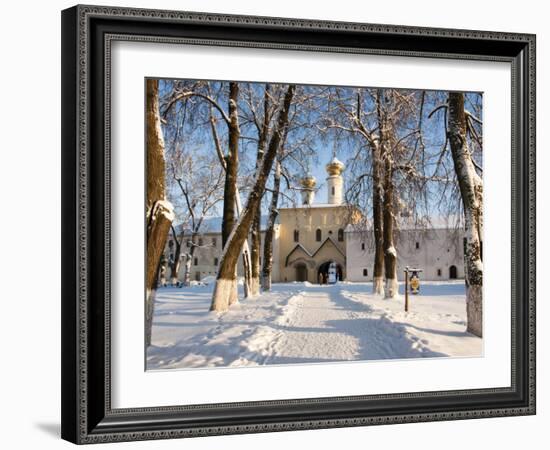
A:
[(318, 235), (332, 190), (341, 235), (296, 236)]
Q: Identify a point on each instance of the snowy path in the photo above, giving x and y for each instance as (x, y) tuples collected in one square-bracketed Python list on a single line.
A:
[(311, 331), (304, 323)]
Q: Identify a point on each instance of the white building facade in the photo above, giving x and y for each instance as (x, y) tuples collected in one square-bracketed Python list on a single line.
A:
[(438, 252), (308, 238)]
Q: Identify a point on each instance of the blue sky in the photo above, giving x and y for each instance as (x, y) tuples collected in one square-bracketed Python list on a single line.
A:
[(196, 134)]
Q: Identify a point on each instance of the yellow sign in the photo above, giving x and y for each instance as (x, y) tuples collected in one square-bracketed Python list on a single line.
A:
[(415, 284)]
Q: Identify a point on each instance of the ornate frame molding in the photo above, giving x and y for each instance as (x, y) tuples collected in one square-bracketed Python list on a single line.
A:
[(88, 32)]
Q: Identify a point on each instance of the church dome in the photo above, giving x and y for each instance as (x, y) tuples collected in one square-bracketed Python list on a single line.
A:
[(308, 181), (335, 167)]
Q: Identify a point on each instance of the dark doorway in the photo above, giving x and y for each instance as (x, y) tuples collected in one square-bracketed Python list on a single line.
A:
[(301, 272), (322, 273), (452, 273)]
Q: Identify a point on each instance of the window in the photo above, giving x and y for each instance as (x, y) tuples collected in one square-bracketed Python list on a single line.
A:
[(438, 272), (200, 242), (170, 243), (215, 261), (341, 235), (332, 190), (296, 236), (197, 276), (362, 246), (196, 262), (365, 272), (214, 242), (417, 245), (318, 235), (188, 243)]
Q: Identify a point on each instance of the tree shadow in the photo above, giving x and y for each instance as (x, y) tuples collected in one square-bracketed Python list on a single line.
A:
[(439, 332), (379, 338)]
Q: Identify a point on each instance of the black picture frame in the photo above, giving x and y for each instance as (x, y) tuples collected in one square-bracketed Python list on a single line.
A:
[(87, 415)]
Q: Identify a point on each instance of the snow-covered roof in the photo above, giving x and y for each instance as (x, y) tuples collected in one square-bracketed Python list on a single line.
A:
[(316, 205), (312, 254), (214, 225), (409, 223)]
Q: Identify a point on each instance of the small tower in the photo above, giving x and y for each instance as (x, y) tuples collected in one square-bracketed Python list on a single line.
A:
[(335, 182), (308, 189)]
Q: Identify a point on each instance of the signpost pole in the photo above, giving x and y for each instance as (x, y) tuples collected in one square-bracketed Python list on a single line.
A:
[(406, 290)]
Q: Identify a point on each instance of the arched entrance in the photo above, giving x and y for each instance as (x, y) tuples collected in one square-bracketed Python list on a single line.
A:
[(322, 272), (301, 272), (452, 273)]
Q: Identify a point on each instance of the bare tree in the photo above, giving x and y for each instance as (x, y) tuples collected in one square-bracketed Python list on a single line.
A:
[(194, 178), (230, 159), (201, 191), (384, 164), (471, 190), (237, 210), (226, 279), (159, 212), (267, 267), (263, 127), (351, 116), (386, 137), (175, 255)]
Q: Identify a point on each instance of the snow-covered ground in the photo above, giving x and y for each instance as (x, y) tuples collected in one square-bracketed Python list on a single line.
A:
[(305, 323)]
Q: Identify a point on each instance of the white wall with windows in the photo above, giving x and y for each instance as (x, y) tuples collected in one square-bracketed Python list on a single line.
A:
[(437, 252)]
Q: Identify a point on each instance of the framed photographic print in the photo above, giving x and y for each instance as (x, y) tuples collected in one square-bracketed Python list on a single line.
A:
[(280, 224)]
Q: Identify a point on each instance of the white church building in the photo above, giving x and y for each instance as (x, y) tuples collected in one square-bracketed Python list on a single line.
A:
[(311, 236)]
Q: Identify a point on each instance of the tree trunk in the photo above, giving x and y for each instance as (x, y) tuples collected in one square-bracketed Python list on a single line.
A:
[(471, 191), (268, 239), (247, 276), (390, 253), (159, 212), (255, 231), (175, 266), (232, 165), (255, 248), (226, 279), (231, 173), (174, 272), (247, 272), (378, 272), (187, 273)]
